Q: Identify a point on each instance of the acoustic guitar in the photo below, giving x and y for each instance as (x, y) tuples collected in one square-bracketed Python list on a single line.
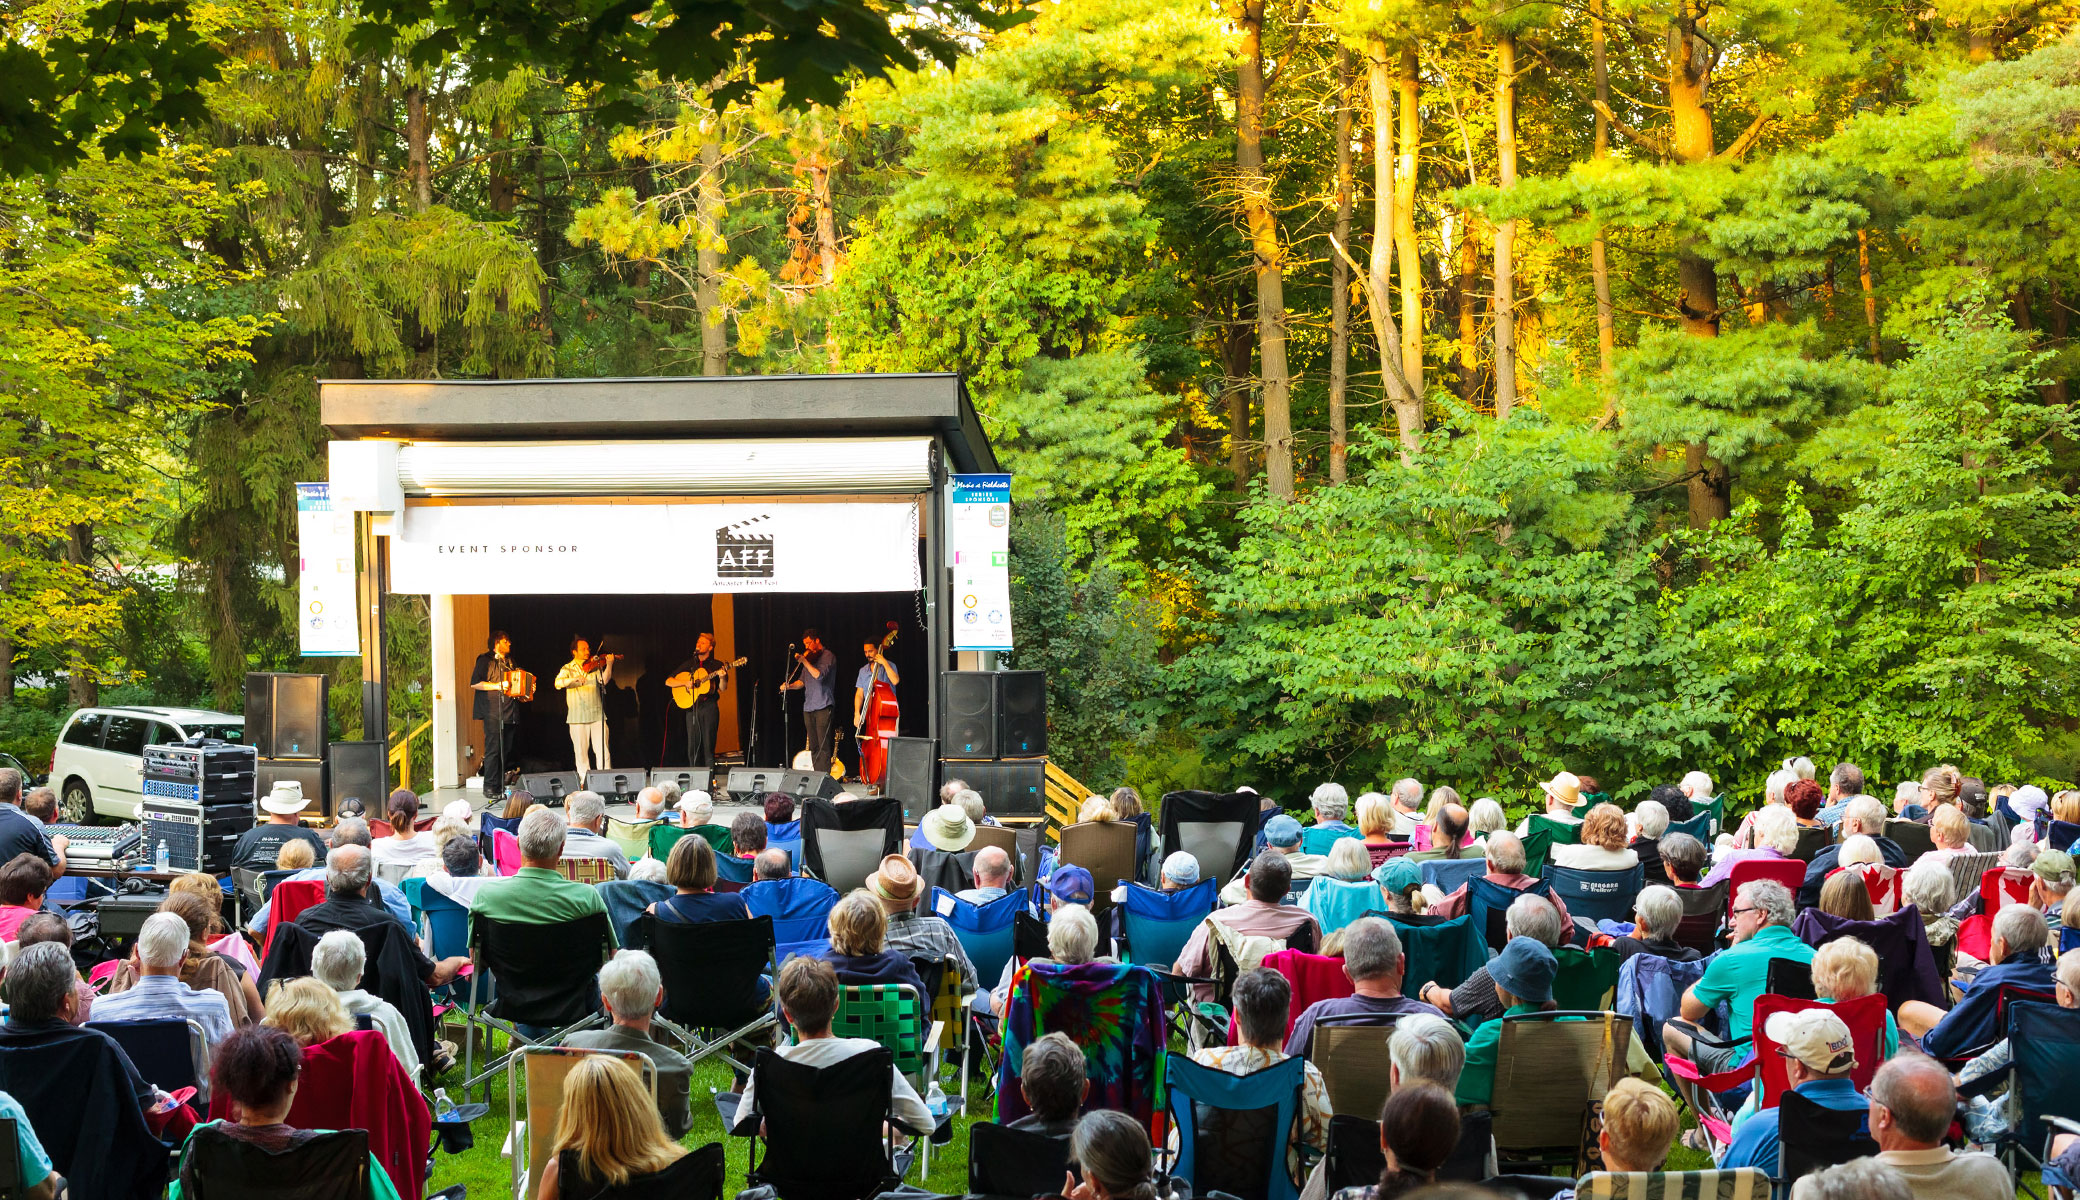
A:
[(702, 683)]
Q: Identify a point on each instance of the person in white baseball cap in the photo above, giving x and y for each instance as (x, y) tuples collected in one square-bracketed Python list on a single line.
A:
[(1819, 1055)]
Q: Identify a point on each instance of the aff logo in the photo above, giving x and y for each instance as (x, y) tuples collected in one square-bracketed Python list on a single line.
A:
[(744, 551)]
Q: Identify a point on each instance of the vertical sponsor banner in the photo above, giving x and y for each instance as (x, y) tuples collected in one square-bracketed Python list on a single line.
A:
[(979, 520), (327, 621)]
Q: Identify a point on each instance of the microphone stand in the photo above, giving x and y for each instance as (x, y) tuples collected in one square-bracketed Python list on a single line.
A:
[(786, 714)]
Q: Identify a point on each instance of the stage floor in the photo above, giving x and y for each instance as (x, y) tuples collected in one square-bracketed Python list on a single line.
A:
[(725, 810)]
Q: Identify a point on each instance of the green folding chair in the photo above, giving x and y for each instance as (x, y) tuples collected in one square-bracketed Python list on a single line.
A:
[(1562, 833), (1586, 978)]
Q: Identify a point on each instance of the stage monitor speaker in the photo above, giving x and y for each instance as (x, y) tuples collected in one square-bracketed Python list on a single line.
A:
[(311, 775), (550, 787), (749, 785), (621, 785), (360, 769), (803, 784), (913, 775), (1021, 714), (285, 714), (689, 779), (968, 713), (1010, 787)]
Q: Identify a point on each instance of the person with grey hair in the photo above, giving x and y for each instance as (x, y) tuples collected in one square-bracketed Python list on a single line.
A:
[(461, 872), (337, 961), (650, 804), (1331, 805), (992, 877), (1844, 786), (159, 994), (43, 1006), (630, 989), (771, 863), (1683, 858), (586, 838), (1054, 1080), (1407, 798), (2014, 956), (1529, 916), (347, 831), (1912, 1102), (1760, 930), (971, 803), (1656, 912), (1649, 824), (1857, 1179), (538, 894), (1505, 855), (1373, 961), (1989, 1118), (1863, 816), (1484, 819), (1932, 890), (1428, 1048), (647, 870), (347, 907), (1698, 787), (695, 809), (1263, 1001)]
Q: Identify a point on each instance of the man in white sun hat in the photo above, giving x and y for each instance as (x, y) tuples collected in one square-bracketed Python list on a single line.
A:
[(948, 828), (257, 847)]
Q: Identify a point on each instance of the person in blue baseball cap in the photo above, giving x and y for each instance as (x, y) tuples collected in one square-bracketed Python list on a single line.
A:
[(1523, 975), (1281, 836), (1402, 881), (1068, 885)]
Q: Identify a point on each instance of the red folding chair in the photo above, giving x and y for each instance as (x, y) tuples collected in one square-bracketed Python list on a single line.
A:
[(1887, 886), (1865, 1017), (2003, 886), (291, 897), (1788, 871)]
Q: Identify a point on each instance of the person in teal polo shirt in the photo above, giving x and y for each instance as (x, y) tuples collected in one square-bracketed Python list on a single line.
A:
[(1762, 915), (538, 894), (1818, 1055)]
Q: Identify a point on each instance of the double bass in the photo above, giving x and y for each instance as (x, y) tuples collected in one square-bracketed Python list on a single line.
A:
[(878, 722)]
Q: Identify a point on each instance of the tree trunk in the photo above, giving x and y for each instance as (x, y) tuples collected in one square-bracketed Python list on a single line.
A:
[(1405, 227), (1340, 277), (2056, 391), (1690, 137), (707, 218), (826, 243), (1505, 231), (1464, 290), (1407, 406), (1268, 255), (6, 669), (1599, 268), (1236, 343), (81, 688), (1870, 295), (417, 133)]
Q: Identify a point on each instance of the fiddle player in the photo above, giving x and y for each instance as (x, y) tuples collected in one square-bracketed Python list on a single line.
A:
[(580, 680), (818, 673)]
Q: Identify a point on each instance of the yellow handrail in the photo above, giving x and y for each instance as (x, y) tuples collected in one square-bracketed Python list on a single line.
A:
[(401, 753), (1064, 797)]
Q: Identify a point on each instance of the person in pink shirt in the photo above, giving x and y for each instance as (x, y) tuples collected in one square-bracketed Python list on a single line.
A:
[(23, 881)]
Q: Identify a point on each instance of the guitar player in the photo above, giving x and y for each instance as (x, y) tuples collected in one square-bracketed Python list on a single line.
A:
[(705, 715)]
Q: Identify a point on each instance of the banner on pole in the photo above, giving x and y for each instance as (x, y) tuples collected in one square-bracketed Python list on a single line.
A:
[(979, 521), (564, 549), (328, 625)]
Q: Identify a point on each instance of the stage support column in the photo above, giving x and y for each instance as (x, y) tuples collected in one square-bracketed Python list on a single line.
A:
[(938, 588), (447, 726), (722, 610), (375, 634)]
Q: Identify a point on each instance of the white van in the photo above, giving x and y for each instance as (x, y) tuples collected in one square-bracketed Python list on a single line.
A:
[(98, 765)]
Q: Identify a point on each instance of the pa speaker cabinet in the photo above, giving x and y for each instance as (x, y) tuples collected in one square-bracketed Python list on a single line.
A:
[(1010, 787), (622, 785), (550, 787), (968, 713), (285, 714), (689, 779), (360, 769), (913, 775), (804, 784), (1021, 713), (313, 777), (749, 785)]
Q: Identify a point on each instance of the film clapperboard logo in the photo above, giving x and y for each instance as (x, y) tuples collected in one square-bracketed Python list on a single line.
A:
[(744, 550)]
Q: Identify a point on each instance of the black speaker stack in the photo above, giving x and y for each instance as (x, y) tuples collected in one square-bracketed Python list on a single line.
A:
[(995, 725), (285, 724)]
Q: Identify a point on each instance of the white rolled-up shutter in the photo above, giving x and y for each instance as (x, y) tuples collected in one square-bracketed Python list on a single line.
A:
[(679, 468)]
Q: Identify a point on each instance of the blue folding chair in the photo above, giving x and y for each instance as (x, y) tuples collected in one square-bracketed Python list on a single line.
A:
[(1597, 895), (1156, 924), (800, 907), (1232, 1130), (984, 930), (1448, 875), (2045, 1040), (2062, 834), (1315, 840), (786, 835), (2068, 938), (730, 868), (1447, 952), (1487, 901), (163, 1050)]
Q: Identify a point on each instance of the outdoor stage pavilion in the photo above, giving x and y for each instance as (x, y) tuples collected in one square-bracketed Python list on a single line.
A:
[(638, 513)]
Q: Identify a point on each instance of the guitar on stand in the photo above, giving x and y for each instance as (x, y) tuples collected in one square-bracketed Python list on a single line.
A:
[(875, 721)]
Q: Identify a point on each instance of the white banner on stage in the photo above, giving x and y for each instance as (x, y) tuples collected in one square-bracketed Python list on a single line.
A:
[(525, 549), (327, 624)]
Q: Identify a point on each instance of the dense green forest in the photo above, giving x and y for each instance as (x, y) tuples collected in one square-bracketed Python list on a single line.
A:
[(1471, 390)]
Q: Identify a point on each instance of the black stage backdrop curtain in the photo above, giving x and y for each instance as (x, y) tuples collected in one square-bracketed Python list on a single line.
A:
[(655, 634)]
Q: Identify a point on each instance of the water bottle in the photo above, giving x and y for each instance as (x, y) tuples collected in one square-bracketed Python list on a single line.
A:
[(935, 1100), (443, 1108), (164, 859)]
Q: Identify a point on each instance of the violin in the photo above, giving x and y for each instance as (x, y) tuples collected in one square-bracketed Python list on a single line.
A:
[(599, 659)]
